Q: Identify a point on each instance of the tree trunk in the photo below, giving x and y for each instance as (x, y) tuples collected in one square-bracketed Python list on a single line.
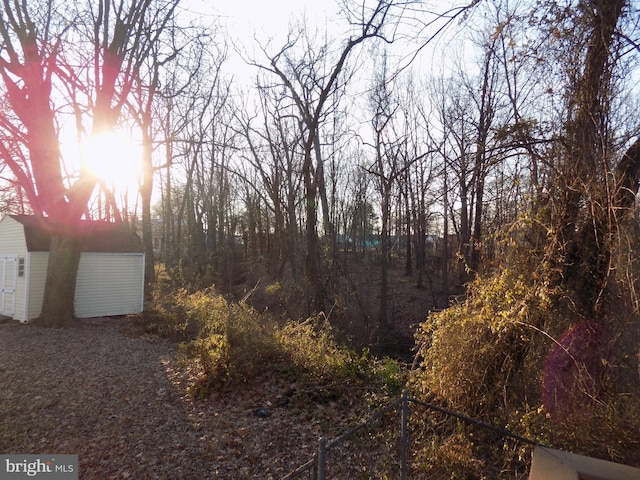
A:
[(60, 285), (586, 234), (327, 226), (146, 189), (445, 235), (475, 241), (312, 269), (383, 316), (147, 239), (408, 262), (409, 220), (465, 230)]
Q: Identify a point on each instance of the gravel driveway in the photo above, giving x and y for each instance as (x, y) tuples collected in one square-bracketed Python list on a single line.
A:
[(120, 404)]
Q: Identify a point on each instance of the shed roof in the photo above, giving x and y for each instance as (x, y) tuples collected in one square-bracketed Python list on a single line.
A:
[(94, 236)]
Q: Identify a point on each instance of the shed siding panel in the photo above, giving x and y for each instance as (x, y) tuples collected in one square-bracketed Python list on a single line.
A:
[(109, 284), (37, 276), (21, 290), (12, 240)]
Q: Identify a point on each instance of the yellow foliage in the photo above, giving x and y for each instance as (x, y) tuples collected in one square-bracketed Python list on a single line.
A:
[(236, 343), (469, 352)]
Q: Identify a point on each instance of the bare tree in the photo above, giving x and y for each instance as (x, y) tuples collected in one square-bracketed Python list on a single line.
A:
[(311, 80), (40, 48), (396, 151), (182, 54), (274, 151)]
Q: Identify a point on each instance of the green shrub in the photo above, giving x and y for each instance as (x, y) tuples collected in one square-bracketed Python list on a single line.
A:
[(391, 376)]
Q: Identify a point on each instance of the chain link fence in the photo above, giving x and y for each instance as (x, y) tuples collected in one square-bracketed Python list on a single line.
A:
[(367, 448)]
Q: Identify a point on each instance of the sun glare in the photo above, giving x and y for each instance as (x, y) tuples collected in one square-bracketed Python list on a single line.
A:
[(114, 158)]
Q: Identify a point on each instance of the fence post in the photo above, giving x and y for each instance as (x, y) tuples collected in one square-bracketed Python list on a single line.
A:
[(404, 435), (322, 458)]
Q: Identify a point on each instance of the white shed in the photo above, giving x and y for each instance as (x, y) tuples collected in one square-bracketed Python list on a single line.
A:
[(110, 276)]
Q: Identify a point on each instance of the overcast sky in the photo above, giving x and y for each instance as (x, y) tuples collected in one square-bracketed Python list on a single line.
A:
[(244, 18), (247, 22)]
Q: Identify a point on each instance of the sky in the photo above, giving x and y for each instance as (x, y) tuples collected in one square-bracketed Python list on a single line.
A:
[(268, 18), (248, 21)]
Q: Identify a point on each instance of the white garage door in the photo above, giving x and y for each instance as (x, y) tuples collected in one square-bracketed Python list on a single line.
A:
[(8, 280)]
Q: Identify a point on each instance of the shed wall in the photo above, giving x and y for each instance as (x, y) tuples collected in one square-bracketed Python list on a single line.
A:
[(37, 268), (109, 284), (21, 293), (13, 243)]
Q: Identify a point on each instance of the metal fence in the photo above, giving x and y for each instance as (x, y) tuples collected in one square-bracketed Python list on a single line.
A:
[(316, 468)]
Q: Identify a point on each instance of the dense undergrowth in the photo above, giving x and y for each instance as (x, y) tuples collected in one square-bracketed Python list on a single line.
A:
[(516, 353), (489, 356), (228, 342)]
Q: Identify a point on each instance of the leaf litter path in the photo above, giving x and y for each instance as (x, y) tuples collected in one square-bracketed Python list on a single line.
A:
[(120, 403)]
